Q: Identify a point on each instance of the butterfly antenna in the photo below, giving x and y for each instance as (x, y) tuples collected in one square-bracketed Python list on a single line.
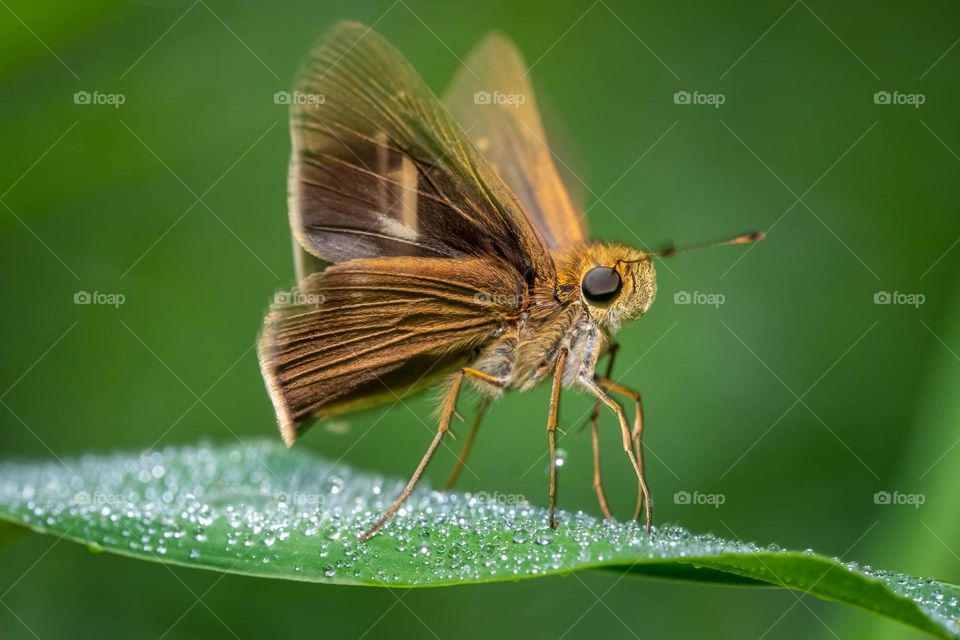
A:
[(746, 238)]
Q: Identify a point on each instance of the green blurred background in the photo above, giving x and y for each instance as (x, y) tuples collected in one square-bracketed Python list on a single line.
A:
[(796, 400)]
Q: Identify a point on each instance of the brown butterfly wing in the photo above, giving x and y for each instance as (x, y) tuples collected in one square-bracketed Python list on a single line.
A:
[(492, 99), (370, 330), (380, 168), (432, 252), (304, 262)]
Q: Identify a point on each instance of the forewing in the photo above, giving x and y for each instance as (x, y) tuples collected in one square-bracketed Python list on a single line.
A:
[(380, 168), (492, 99), (375, 328)]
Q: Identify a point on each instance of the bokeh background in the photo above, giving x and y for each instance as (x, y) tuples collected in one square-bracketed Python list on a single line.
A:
[(796, 400)]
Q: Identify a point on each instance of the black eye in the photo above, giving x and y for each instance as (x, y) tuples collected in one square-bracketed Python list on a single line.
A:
[(601, 284)]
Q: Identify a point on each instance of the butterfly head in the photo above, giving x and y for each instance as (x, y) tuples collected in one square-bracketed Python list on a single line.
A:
[(615, 283)]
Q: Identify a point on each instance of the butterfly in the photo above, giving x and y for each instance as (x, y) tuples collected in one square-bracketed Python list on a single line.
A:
[(437, 246)]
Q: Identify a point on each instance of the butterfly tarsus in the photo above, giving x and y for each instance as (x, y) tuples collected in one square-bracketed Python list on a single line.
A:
[(597, 478), (552, 430), (594, 386), (467, 444), (595, 439), (636, 433), (446, 417)]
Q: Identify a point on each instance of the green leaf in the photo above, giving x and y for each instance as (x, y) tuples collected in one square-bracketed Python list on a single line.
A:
[(10, 532), (261, 510)]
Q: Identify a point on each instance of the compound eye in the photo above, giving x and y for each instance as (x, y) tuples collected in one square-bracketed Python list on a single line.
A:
[(601, 284)]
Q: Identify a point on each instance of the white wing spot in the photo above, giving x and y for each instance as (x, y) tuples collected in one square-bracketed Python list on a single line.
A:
[(395, 228)]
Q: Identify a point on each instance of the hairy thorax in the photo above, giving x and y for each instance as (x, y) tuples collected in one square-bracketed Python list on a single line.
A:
[(525, 354)]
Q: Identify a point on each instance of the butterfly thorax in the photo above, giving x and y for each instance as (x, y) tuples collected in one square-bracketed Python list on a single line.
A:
[(522, 357)]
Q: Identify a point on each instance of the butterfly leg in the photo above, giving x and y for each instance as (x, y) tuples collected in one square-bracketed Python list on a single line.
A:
[(595, 439), (446, 416), (636, 434), (597, 478), (552, 430), (595, 388), (467, 443)]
